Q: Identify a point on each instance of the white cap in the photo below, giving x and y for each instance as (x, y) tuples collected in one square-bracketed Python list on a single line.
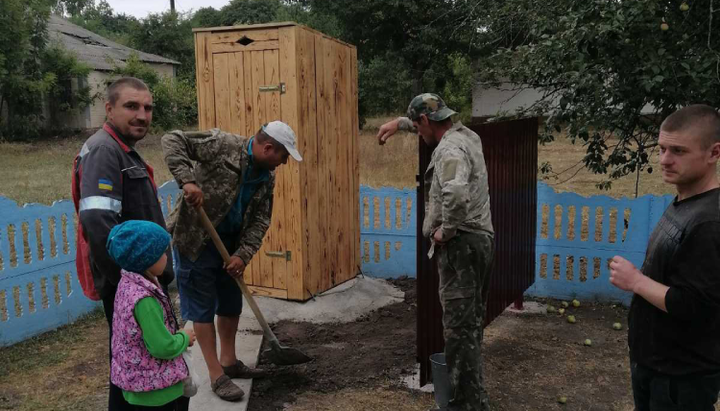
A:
[(283, 134)]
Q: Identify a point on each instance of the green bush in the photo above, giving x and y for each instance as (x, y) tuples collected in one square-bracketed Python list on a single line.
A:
[(175, 104)]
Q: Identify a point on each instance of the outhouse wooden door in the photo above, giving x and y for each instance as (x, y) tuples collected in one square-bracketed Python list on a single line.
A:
[(247, 90), (250, 75)]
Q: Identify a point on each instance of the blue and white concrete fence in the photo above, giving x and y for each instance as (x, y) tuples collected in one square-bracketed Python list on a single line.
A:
[(576, 236)]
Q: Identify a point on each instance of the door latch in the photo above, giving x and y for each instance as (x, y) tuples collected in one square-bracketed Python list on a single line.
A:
[(280, 87), (287, 255)]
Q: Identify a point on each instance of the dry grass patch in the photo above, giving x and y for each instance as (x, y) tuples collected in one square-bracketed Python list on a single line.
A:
[(41, 172), (66, 369), (566, 158)]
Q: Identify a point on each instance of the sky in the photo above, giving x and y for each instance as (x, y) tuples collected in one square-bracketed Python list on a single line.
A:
[(141, 8)]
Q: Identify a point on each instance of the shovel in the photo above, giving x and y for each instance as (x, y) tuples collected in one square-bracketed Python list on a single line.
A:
[(276, 354)]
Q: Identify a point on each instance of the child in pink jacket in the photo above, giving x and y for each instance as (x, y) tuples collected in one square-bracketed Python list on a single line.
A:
[(147, 343)]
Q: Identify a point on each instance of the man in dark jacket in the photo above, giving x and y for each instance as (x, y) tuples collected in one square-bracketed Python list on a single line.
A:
[(113, 184), (674, 319)]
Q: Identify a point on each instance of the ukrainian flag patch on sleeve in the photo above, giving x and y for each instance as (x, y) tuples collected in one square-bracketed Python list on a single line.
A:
[(105, 184)]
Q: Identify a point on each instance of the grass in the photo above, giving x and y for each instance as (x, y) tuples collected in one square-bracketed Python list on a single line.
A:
[(36, 373), (41, 171), (394, 164), (566, 160)]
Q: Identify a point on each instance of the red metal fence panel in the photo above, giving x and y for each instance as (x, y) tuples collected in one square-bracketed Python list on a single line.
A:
[(510, 150)]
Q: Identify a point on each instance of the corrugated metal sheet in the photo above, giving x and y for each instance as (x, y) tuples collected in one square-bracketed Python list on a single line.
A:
[(511, 155)]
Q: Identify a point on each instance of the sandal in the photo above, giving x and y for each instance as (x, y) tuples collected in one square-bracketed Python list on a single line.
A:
[(240, 370), (226, 389)]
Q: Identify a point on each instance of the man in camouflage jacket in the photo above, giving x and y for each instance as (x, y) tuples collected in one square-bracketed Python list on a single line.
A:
[(458, 223), (232, 178)]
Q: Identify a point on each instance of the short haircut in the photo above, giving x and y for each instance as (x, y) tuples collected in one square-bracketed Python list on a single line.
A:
[(700, 118), (113, 90), (263, 138)]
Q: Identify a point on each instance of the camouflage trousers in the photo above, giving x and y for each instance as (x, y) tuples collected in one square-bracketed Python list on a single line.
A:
[(464, 267)]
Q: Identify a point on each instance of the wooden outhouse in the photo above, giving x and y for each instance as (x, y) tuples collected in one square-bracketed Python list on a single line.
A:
[(250, 75)]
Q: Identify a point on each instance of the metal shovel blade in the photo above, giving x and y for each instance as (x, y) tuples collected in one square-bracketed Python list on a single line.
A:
[(280, 355)]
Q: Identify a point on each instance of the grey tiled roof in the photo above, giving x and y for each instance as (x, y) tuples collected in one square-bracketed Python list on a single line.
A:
[(95, 50)]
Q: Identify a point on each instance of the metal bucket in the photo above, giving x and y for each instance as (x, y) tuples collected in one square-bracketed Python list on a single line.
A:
[(441, 379)]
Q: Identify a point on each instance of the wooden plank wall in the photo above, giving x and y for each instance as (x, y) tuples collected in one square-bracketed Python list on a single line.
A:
[(337, 195), (312, 231), (291, 172), (204, 76), (315, 278)]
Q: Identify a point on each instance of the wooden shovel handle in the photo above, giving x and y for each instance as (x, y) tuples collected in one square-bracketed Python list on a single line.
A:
[(207, 224)]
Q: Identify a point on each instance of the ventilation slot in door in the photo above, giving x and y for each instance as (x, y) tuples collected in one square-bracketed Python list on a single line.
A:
[(245, 40)]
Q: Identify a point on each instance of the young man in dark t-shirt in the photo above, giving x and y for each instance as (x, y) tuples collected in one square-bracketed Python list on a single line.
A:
[(674, 319)]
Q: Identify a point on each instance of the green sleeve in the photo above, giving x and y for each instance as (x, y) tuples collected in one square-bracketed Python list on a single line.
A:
[(158, 340)]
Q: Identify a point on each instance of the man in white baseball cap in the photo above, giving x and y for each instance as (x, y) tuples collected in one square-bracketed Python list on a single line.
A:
[(283, 134), (232, 178)]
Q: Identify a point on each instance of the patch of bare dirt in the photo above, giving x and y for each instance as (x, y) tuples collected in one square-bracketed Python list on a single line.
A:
[(373, 351), (530, 361)]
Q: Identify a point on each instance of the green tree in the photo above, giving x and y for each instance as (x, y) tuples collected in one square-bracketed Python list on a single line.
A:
[(62, 96), (32, 71), (421, 33), (206, 17), (169, 35), (610, 71), (250, 12), (70, 7), (22, 81), (101, 19), (412, 39), (301, 12), (385, 84)]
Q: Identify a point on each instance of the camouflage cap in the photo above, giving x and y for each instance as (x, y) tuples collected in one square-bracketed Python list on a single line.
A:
[(431, 105)]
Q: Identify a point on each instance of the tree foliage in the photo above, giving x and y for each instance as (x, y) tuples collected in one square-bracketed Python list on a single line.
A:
[(169, 35), (610, 71), (31, 70), (101, 19), (250, 12)]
